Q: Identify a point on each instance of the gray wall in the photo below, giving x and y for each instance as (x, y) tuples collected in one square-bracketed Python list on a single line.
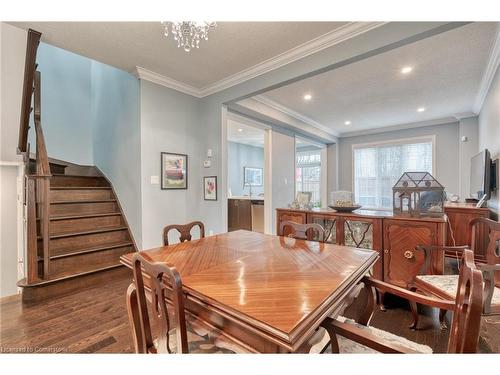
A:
[(13, 48), (283, 171), (170, 122), (66, 114), (240, 155), (447, 153), (333, 167), (8, 231), (117, 138), (489, 129), (468, 127), (12, 54)]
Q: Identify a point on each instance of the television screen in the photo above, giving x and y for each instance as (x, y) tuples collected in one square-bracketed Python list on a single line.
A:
[(480, 175)]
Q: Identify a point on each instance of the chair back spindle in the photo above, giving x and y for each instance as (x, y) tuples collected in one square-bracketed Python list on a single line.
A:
[(464, 333), (308, 232), (156, 273), (184, 231)]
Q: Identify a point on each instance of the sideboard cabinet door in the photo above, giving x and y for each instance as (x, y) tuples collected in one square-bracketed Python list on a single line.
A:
[(401, 261)]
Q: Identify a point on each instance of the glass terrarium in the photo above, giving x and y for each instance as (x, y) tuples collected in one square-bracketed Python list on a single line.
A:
[(418, 194)]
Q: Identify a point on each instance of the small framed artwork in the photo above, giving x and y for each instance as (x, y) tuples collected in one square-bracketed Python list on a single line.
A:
[(174, 169), (210, 188), (252, 176)]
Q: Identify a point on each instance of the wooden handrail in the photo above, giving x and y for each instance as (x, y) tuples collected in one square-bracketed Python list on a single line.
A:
[(42, 159), (38, 185), (29, 76)]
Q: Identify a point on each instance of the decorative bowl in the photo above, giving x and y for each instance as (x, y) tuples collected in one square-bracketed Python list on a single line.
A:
[(345, 208)]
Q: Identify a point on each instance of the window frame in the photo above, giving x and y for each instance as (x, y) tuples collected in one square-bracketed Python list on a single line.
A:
[(392, 142)]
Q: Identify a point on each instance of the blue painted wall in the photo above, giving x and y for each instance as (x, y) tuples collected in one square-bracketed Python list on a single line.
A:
[(239, 156), (66, 114), (116, 135)]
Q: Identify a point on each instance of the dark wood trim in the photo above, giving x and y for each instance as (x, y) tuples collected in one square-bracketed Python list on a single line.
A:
[(32, 247), (32, 42)]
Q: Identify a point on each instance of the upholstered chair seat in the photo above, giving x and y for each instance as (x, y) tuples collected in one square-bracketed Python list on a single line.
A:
[(448, 284), (347, 346), (200, 340)]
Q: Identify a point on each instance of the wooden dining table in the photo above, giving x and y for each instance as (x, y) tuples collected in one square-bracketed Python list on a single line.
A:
[(268, 294)]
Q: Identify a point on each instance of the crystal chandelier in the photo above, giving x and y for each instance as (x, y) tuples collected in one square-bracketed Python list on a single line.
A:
[(188, 33)]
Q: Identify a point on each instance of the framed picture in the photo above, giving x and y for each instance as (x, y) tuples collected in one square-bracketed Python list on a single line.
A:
[(304, 197), (174, 169), (210, 188), (252, 176)]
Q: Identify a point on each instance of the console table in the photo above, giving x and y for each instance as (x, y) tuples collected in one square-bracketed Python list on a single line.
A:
[(393, 237)]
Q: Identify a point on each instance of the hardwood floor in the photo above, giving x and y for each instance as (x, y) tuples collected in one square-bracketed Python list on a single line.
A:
[(95, 321)]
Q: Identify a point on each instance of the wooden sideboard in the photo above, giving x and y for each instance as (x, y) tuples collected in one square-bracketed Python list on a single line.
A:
[(458, 231), (394, 238)]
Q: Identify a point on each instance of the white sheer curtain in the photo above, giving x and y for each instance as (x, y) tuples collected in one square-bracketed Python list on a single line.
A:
[(378, 167)]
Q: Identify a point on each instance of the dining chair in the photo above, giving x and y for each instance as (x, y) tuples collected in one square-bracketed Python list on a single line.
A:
[(348, 336), (310, 232), (184, 231), (147, 309), (445, 286)]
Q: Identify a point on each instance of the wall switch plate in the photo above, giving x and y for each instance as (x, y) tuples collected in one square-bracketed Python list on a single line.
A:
[(209, 153), (155, 180), (207, 163)]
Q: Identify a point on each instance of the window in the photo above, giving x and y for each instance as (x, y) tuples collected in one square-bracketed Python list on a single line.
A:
[(377, 168), (308, 173)]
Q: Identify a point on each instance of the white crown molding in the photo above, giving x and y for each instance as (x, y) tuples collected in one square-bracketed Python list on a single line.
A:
[(159, 79), (290, 112), (489, 73), (411, 125), (320, 43)]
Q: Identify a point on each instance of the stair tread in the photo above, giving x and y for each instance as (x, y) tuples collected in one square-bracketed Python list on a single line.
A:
[(92, 231), (64, 276), (83, 201), (80, 188), (83, 216), (75, 175), (92, 249)]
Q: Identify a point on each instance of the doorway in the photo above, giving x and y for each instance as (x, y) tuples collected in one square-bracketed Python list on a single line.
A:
[(246, 142)]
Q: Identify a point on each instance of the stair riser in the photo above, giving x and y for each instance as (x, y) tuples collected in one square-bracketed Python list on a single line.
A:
[(69, 209), (87, 262), (71, 244), (84, 224), (76, 181), (80, 194), (68, 286)]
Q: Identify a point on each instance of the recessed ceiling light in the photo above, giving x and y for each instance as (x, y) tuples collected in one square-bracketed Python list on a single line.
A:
[(421, 109), (307, 97), (347, 123), (240, 130), (406, 69)]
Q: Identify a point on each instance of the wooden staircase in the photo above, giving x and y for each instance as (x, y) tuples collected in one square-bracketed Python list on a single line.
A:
[(76, 229), (87, 232)]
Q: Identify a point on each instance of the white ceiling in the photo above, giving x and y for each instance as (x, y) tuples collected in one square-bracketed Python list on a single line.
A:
[(239, 132), (373, 93), (232, 46)]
